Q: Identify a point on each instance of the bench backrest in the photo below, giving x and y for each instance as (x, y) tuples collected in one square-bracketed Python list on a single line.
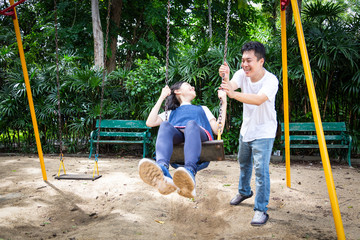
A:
[(303, 136), (305, 131), (310, 127), (130, 124)]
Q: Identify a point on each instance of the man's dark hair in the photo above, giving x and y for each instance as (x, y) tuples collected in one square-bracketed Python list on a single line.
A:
[(257, 47)]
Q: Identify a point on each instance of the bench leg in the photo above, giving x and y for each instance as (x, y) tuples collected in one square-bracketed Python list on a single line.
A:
[(91, 148), (349, 157), (144, 149), (349, 151), (283, 154)]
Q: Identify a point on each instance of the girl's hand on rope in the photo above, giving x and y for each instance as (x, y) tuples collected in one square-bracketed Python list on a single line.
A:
[(222, 96), (165, 92), (224, 71)]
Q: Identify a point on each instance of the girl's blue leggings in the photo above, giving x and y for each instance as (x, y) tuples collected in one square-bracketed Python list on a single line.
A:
[(192, 137)]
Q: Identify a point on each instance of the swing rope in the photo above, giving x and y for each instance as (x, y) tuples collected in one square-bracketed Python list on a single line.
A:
[(96, 167), (210, 23), (102, 89), (58, 92), (167, 54), (227, 29), (211, 150), (225, 53), (167, 43)]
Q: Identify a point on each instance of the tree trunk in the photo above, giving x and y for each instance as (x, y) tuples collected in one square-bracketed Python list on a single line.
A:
[(116, 10), (98, 34), (289, 12), (135, 39), (274, 14), (327, 95)]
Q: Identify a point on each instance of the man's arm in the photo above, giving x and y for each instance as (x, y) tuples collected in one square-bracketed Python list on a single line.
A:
[(230, 86), (248, 98)]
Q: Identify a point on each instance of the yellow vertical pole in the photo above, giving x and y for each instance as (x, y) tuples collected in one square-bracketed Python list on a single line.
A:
[(28, 91), (318, 125), (285, 95)]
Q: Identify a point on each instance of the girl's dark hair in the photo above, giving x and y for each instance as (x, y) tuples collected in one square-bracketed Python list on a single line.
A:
[(171, 101)]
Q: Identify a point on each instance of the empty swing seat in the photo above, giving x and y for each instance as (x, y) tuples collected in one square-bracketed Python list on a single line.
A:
[(77, 177)]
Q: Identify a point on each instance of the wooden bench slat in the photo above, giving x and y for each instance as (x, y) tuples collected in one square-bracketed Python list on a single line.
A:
[(132, 124), (117, 141), (310, 126), (317, 146), (122, 134), (313, 137)]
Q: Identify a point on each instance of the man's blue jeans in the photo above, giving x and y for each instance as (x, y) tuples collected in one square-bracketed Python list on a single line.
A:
[(256, 153)]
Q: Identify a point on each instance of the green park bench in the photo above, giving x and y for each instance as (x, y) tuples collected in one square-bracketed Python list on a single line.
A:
[(121, 132), (303, 135)]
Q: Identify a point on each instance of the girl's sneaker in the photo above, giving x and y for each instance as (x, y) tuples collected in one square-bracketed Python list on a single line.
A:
[(184, 179), (156, 176)]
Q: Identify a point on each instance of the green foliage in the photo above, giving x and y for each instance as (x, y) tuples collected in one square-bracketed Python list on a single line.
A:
[(231, 135), (331, 31), (143, 86)]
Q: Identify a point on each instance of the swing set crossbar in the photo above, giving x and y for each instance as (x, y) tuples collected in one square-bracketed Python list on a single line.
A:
[(10, 10)]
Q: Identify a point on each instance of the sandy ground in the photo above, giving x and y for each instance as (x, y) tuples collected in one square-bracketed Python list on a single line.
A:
[(120, 206)]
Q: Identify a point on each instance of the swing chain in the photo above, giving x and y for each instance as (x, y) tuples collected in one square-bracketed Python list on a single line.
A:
[(227, 29), (104, 77), (220, 120), (210, 23), (57, 79), (167, 43), (167, 53), (225, 53)]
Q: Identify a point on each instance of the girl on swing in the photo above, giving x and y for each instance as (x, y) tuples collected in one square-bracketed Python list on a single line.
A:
[(183, 122)]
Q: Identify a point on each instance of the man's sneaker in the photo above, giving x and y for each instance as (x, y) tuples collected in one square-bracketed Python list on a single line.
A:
[(156, 176), (184, 179), (259, 219), (239, 198)]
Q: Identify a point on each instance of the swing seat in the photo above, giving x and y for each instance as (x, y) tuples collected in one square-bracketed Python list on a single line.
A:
[(77, 177), (210, 151)]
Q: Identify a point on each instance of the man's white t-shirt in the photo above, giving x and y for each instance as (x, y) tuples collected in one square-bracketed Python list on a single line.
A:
[(258, 121), (207, 111)]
